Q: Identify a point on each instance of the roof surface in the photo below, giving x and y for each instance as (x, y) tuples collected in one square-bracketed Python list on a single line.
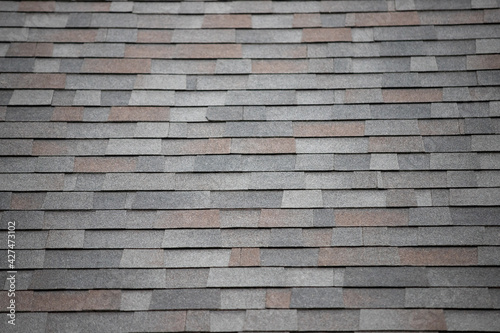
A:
[(251, 165)]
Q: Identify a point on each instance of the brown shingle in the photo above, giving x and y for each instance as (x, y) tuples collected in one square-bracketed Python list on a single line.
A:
[(263, 146), (306, 20), (208, 51), (103, 300), (278, 298), (67, 113), (37, 6), (59, 300), (311, 35), (438, 256), (130, 113), (33, 81), (116, 66), (154, 36), (227, 21)]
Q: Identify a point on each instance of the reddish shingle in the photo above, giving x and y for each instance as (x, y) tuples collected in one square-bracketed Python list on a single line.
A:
[(67, 113), (130, 113), (438, 256), (227, 21), (326, 35), (278, 298), (105, 164), (116, 66)]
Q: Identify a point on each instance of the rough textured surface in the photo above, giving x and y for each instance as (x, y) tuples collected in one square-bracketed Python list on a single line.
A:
[(251, 166)]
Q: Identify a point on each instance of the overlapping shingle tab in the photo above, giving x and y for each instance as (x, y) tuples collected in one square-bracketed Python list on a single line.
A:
[(251, 165)]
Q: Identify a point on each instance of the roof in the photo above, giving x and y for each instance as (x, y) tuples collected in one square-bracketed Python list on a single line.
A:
[(233, 166)]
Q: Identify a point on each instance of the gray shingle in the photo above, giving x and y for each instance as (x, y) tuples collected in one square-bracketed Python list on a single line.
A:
[(463, 276), (68, 200), (314, 162), (386, 277), (406, 33), (197, 258), (23, 113), (302, 199), (450, 235), (263, 36), (191, 238), (243, 298), (258, 129), (213, 181), (133, 147), (123, 239), (31, 97), (447, 298), (267, 162), (271, 320), (448, 143), (360, 198), (328, 320), (288, 237), (185, 299), (160, 98), (253, 199), (347, 237), (274, 180), (108, 82), (32, 322), (332, 145), (467, 31), (289, 257), (430, 216), (224, 113), (488, 255), (115, 98), (316, 298), (449, 79), (149, 182), (474, 197), (172, 200), (17, 164), (246, 237), (256, 97), (449, 47), (223, 321), (151, 164), (472, 320), (82, 259)]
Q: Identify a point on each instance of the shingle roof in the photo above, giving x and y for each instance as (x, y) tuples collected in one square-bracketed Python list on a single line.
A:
[(232, 166)]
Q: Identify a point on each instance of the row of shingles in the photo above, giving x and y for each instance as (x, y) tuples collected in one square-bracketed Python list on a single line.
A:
[(386, 218), (282, 257), (252, 163), (260, 320), (260, 277), (244, 21), (218, 146), (221, 181), (247, 6), (423, 113), (270, 298), (427, 128)]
